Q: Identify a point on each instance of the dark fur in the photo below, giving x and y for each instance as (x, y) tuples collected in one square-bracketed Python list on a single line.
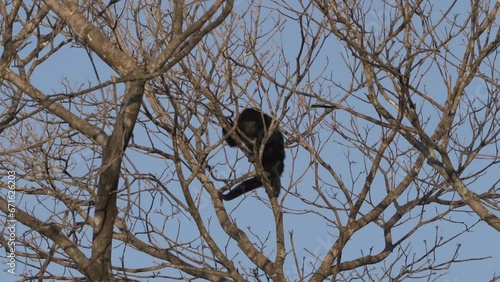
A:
[(254, 125)]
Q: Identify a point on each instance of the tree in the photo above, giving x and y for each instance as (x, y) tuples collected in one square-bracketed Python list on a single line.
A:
[(393, 105), (171, 34)]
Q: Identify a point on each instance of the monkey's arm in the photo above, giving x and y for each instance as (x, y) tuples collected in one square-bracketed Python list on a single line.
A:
[(230, 141)]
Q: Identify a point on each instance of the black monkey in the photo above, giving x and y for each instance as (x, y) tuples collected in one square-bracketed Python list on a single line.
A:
[(254, 124)]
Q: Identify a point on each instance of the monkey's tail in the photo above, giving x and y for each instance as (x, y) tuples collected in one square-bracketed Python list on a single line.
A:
[(252, 184), (324, 106), (247, 186)]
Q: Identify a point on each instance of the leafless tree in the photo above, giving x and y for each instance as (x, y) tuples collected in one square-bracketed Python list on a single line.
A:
[(139, 42), (389, 111)]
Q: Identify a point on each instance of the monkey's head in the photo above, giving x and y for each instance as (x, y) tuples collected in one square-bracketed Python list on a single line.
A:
[(250, 128)]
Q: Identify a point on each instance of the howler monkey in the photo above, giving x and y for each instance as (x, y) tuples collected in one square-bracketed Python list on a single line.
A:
[(254, 124)]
